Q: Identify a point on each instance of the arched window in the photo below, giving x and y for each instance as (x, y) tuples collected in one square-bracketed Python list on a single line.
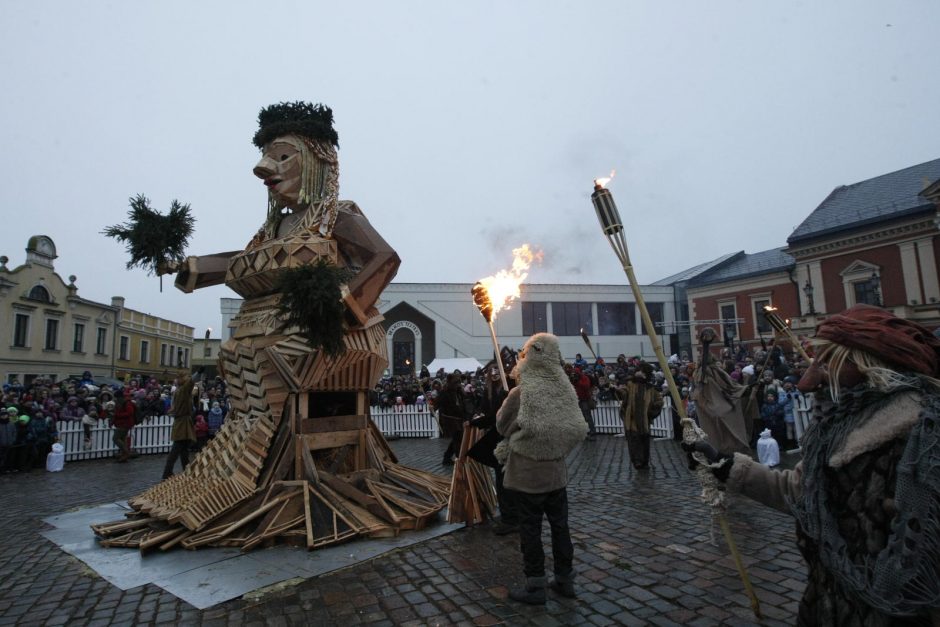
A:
[(40, 293)]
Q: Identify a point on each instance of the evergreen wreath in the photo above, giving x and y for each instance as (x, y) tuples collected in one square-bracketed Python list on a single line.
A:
[(312, 300), (152, 238), (314, 121)]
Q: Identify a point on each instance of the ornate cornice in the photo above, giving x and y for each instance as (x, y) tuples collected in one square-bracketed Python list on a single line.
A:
[(871, 237)]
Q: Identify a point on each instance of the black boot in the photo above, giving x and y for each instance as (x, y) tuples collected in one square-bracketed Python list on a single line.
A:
[(564, 585), (533, 593), (502, 528)]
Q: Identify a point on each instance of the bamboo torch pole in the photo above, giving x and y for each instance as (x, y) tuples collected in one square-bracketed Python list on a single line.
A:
[(612, 226), (782, 328), (587, 340)]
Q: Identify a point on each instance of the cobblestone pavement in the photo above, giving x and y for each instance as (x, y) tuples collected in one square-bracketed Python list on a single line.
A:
[(642, 553)]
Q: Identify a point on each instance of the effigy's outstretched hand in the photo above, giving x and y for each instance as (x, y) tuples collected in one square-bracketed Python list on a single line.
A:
[(169, 266)]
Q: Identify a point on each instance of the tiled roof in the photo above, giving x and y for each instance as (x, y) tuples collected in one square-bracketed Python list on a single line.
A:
[(694, 271), (883, 197), (756, 264)]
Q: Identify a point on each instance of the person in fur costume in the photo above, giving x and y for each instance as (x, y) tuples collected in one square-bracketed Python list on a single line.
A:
[(541, 423), (640, 404), (866, 495)]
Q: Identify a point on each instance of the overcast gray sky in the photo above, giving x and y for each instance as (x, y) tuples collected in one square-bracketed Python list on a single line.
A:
[(465, 128)]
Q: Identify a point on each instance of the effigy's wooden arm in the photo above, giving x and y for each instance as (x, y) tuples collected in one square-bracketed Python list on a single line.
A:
[(356, 236), (203, 271)]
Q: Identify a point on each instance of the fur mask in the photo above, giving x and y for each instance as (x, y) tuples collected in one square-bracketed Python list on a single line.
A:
[(550, 422)]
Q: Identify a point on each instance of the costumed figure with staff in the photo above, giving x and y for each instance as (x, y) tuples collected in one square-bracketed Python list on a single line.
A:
[(473, 495), (727, 411), (866, 495), (640, 404)]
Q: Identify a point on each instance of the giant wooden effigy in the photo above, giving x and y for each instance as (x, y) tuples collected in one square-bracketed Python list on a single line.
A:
[(298, 460)]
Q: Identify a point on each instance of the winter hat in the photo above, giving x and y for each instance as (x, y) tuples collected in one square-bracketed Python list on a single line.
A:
[(12, 411), (902, 343), (23, 418)]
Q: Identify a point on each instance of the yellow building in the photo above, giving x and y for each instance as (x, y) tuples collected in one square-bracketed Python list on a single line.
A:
[(150, 346), (53, 332)]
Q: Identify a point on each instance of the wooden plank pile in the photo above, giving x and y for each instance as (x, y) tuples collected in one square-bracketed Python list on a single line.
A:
[(257, 484), (472, 493), (286, 467)]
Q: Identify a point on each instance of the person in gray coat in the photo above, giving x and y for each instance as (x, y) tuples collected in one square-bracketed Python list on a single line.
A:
[(541, 423)]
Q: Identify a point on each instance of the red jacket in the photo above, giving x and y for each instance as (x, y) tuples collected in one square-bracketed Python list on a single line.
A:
[(582, 388), (124, 413)]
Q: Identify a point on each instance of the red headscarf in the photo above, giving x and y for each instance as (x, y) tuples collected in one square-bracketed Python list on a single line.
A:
[(902, 343)]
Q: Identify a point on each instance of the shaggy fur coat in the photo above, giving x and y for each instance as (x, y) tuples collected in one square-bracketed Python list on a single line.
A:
[(540, 420)]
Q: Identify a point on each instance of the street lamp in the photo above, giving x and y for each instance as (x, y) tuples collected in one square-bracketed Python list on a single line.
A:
[(876, 287), (808, 290)]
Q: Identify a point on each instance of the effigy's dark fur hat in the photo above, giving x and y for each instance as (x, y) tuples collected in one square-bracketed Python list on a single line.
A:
[(314, 121)]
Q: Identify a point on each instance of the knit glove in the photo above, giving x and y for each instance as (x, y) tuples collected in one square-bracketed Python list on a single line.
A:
[(719, 463)]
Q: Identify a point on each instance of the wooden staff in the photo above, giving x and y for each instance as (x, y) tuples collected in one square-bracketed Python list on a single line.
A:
[(612, 226)]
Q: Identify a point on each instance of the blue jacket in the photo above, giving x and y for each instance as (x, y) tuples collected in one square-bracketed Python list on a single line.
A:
[(40, 431), (215, 419), (7, 434)]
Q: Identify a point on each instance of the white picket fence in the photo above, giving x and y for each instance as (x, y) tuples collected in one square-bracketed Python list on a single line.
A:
[(150, 436), (803, 415), (408, 421), (405, 421), (607, 419)]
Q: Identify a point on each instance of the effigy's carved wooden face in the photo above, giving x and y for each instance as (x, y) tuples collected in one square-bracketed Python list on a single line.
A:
[(280, 168)]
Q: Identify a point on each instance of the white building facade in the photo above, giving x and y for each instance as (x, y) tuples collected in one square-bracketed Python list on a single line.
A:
[(424, 321)]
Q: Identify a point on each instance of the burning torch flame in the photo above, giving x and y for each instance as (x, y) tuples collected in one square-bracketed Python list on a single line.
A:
[(495, 293), (604, 180)]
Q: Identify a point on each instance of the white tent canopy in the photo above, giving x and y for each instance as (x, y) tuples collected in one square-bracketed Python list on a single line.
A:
[(463, 364)]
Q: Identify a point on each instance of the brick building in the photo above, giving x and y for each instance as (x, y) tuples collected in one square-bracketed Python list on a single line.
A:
[(875, 241)]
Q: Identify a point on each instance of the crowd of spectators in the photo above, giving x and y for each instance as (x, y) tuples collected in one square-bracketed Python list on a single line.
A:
[(32, 414), (29, 414), (771, 371)]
